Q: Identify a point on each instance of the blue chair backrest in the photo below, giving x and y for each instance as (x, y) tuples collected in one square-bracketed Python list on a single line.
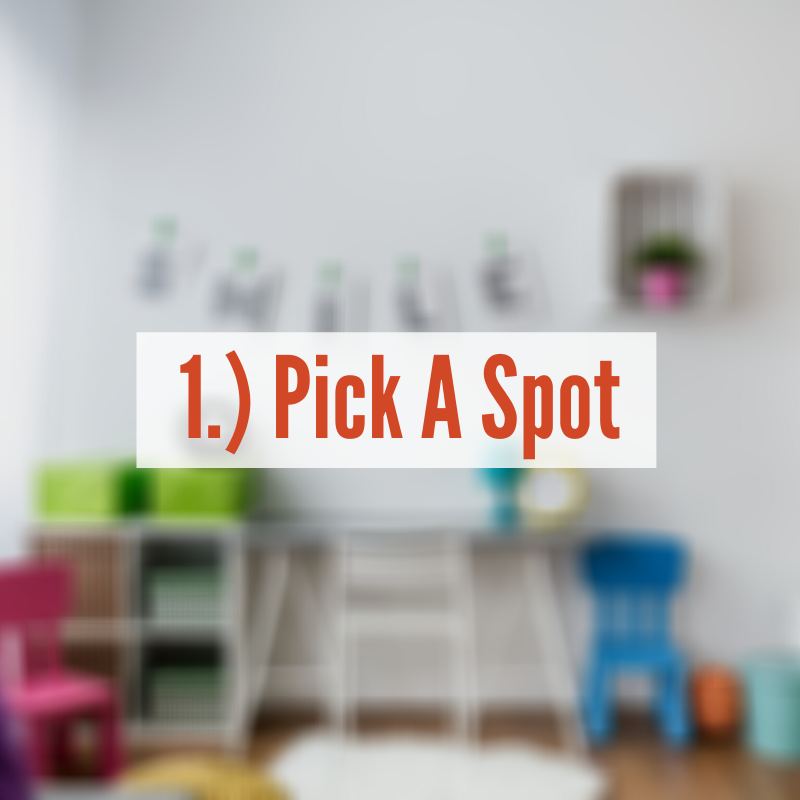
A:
[(633, 580)]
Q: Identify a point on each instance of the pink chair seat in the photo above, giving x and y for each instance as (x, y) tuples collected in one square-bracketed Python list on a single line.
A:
[(57, 696)]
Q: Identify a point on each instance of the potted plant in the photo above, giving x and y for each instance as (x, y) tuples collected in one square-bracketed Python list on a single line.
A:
[(665, 262)]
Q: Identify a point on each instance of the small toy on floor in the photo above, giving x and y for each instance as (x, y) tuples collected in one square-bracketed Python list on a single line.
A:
[(716, 701)]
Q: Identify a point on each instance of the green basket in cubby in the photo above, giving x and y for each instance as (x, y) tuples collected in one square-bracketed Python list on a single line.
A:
[(184, 594), (184, 694), (200, 493), (90, 490)]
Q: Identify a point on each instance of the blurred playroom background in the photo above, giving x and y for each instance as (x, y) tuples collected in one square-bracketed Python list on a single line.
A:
[(200, 165)]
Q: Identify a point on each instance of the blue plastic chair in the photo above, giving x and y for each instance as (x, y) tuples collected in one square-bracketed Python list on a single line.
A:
[(632, 581)]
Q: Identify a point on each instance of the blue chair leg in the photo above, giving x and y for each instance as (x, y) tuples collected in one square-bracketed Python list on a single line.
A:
[(673, 711), (597, 704)]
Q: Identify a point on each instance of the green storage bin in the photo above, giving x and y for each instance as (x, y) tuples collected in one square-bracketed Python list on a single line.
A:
[(90, 490), (184, 594), (187, 694), (773, 701), (200, 493)]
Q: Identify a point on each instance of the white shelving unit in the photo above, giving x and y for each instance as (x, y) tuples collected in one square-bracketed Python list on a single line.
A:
[(642, 203), (113, 616)]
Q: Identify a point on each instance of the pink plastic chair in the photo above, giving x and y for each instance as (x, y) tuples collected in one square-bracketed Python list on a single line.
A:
[(34, 600)]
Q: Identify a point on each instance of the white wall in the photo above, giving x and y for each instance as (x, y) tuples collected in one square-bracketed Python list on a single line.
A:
[(362, 130), (36, 41)]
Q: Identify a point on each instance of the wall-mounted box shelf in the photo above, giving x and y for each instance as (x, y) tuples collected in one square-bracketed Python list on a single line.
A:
[(644, 204)]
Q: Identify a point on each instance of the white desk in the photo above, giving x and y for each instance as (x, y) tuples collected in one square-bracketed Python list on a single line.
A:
[(536, 553)]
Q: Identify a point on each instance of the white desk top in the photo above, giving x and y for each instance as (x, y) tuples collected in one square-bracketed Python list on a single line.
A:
[(310, 534)]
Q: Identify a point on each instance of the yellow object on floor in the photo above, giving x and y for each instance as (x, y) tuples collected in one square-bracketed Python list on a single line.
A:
[(204, 778)]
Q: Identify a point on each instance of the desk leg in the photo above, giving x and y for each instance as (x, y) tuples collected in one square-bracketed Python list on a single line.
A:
[(271, 573), (556, 662), (469, 650)]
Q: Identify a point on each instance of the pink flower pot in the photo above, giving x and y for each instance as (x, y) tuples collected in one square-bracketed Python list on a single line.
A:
[(663, 285)]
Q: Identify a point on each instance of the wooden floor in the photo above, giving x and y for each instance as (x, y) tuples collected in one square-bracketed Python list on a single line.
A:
[(638, 765)]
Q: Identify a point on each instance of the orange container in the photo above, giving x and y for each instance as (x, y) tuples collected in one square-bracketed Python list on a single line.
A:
[(716, 701)]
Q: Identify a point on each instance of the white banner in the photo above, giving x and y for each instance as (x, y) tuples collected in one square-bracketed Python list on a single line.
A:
[(396, 400)]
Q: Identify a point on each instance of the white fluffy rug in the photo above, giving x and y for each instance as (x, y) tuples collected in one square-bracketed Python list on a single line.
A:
[(321, 767)]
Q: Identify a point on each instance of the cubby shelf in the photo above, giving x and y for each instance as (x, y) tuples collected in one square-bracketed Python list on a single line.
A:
[(115, 633)]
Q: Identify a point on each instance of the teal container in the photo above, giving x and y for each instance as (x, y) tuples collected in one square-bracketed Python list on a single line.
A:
[(504, 482), (773, 707)]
